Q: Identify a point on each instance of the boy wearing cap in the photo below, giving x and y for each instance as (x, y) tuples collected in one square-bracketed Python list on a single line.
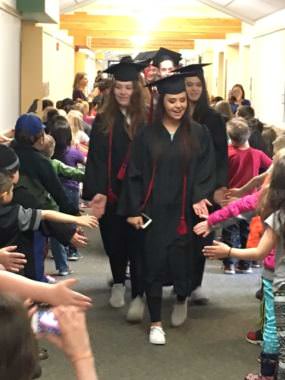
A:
[(38, 176), (33, 242)]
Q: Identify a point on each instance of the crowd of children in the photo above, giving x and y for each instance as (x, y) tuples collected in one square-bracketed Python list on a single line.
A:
[(42, 166)]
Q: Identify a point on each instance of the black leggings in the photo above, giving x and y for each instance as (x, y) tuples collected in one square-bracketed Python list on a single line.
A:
[(122, 244), (174, 266)]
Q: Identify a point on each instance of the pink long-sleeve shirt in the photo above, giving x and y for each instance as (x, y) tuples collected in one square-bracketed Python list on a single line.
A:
[(241, 206)]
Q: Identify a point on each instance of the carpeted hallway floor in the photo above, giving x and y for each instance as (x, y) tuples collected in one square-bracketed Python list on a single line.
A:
[(210, 346)]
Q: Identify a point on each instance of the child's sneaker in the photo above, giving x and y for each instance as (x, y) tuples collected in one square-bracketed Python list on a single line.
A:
[(254, 376), (229, 269), (244, 269), (254, 337), (73, 256)]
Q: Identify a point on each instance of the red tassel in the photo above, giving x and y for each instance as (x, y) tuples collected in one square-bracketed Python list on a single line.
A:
[(112, 197), (182, 228), (122, 172)]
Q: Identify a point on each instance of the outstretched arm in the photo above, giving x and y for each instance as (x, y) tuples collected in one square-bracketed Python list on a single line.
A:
[(84, 220), (220, 250), (58, 294)]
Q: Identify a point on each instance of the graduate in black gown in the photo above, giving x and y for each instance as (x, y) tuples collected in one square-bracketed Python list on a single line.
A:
[(171, 168), (109, 149), (202, 113)]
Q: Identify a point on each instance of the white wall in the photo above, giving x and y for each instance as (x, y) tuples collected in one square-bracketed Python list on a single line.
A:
[(10, 31), (269, 78), (58, 63)]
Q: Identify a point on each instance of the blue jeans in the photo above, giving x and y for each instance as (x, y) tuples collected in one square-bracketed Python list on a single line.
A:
[(235, 236), (73, 196), (59, 255)]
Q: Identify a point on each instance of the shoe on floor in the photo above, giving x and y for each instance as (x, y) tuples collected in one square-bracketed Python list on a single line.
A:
[(136, 310), (259, 294), (43, 353), (117, 298), (229, 269), (254, 337), (252, 376), (50, 279), (179, 313), (198, 297), (73, 256), (157, 335), (243, 269), (65, 272), (255, 264)]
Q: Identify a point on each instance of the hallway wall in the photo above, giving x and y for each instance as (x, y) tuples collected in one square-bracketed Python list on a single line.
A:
[(10, 32)]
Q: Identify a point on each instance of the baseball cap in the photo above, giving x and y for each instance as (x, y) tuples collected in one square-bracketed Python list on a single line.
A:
[(29, 123)]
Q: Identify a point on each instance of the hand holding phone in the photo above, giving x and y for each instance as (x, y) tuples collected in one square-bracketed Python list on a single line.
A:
[(146, 220)]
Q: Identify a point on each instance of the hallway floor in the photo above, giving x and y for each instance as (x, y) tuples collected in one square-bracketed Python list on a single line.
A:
[(210, 346)]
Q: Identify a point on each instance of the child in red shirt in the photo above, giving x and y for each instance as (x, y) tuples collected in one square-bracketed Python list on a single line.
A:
[(244, 164)]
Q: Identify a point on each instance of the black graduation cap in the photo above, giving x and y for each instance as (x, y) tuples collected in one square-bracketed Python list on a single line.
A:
[(166, 54), (192, 70), (173, 84), (145, 56), (126, 71)]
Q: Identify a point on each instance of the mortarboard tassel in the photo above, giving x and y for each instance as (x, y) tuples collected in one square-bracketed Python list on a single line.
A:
[(123, 169), (182, 228), (111, 196)]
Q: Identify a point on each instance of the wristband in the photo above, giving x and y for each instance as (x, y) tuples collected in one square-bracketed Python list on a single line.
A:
[(229, 253), (88, 355)]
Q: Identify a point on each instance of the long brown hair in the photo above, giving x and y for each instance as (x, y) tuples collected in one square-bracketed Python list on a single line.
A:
[(273, 197), (136, 110), (78, 77), (187, 143), (17, 342)]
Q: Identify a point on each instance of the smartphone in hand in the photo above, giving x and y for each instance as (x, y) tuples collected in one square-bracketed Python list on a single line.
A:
[(44, 321), (146, 220)]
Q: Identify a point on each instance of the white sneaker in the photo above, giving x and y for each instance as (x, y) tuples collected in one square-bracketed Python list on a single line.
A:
[(198, 297), (136, 310), (117, 298), (179, 313), (157, 335)]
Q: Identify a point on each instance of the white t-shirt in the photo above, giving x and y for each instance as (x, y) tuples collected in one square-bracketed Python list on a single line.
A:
[(277, 222)]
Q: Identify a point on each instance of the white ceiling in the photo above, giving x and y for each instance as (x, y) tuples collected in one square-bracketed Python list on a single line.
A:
[(246, 10)]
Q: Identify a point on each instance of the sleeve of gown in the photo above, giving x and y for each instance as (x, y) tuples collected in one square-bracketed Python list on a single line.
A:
[(95, 179), (205, 178), (132, 193), (218, 132)]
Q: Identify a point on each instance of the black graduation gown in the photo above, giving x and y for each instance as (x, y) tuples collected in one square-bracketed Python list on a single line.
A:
[(167, 255), (120, 240), (217, 128)]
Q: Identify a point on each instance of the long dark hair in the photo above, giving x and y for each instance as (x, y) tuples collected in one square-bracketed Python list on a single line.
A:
[(61, 132), (187, 142), (202, 106), (136, 109), (18, 355), (77, 79), (273, 198)]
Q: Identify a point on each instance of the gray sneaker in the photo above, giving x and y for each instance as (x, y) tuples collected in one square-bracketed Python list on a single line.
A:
[(179, 313), (117, 298), (198, 297), (136, 310)]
